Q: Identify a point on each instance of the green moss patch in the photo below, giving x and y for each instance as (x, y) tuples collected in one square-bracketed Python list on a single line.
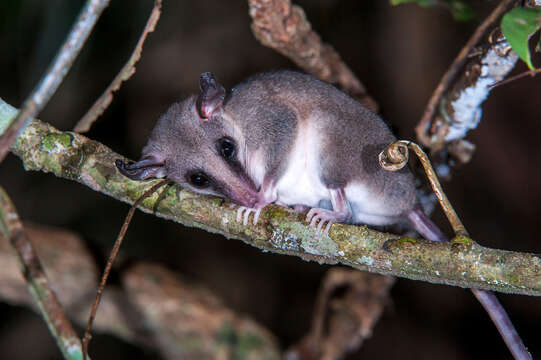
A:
[(56, 143)]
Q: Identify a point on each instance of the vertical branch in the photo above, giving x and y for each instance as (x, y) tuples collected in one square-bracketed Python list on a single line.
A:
[(283, 27), (44, 297), (56, 72), (453, 110), (340, 324)]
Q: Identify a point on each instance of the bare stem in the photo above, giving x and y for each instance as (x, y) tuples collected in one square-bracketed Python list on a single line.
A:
[(396, 156)]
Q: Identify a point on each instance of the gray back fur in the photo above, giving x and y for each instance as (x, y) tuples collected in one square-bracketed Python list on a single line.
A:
[(270, 107)]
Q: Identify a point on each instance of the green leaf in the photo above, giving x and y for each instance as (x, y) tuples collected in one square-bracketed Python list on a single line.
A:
[(423, 3), (518, 26), (460, 10)]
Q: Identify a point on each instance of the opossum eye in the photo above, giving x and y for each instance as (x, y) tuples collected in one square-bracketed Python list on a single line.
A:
[(199, 180), (226, 146)]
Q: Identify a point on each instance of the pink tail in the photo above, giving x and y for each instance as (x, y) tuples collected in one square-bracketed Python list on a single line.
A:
[(488, 300), (425, 226)]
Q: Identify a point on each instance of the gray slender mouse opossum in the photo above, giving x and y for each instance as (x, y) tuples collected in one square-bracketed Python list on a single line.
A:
[(286, 138)]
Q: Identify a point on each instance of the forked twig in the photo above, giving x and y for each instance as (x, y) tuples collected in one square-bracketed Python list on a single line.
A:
[(84, 124), (88, 336)]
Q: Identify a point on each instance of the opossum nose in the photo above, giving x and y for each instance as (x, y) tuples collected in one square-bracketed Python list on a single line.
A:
[(247, 198), (243, 193), (240, 189), (252, 200)]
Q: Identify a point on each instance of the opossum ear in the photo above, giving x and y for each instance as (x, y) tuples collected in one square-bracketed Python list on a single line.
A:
[(211, 96), (146, 168)]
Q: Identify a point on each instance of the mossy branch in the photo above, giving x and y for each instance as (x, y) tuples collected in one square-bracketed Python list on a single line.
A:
[(461, 263)]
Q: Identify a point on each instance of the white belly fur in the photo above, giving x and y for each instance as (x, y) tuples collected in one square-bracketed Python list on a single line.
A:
[(255, 167), (301, 184), (366, 206)]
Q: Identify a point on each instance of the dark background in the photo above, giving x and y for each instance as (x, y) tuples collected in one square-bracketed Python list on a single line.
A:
[(400, 54)]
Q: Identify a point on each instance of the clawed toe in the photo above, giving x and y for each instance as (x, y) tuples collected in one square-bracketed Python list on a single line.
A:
[(323, 218), (244, 213), (256, 215)]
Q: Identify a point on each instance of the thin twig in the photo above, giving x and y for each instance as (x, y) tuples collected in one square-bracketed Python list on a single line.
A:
[(55, 74), (457, 65), (87, 336), (127, 71), (49, 306), (532, 73)]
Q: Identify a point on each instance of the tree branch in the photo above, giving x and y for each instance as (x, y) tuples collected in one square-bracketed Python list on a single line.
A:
[(459, 263), (455, 105)]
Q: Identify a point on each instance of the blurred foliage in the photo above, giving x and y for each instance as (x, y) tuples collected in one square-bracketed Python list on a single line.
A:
[(460, 10)]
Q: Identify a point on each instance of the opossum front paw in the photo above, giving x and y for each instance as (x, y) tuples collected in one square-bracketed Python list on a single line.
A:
[(323, 216), (244, 212)]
